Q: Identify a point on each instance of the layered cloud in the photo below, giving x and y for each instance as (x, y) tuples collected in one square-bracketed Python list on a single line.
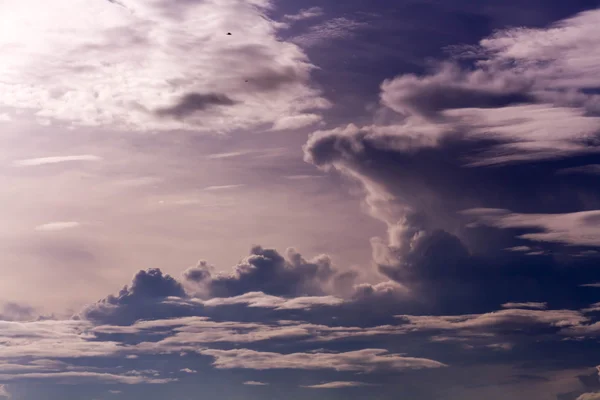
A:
[(213, 66)]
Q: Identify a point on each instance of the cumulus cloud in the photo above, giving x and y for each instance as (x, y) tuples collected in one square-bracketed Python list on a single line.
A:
[(140, 299), (127, 65), (269, 272), (492, 131)]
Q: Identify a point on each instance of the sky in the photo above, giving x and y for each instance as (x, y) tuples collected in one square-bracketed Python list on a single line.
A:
[(280, 199)]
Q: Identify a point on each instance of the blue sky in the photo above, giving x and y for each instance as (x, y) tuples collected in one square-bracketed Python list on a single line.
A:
[(276, 199)]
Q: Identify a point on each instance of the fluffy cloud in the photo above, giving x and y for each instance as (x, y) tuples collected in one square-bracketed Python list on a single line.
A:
[(142, 299), (269, 272), (128, 65)]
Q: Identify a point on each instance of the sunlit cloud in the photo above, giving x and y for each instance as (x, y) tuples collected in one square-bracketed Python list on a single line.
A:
[(32, 162), (57, 226), (224, 187)]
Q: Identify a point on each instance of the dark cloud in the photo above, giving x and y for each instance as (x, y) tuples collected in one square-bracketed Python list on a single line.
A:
[(194, 102), (17, 312), (450, 88), (269, 79), (267, 271), (142, 299)]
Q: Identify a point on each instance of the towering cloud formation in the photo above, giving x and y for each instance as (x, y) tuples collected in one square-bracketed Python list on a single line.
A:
[(497, 134)]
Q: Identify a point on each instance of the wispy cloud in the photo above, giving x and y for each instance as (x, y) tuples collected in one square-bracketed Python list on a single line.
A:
[(224, 187), (306, 13), (231, 154), (593, 285), (31, 162), (57, 226), (337, 385), (337, 28)]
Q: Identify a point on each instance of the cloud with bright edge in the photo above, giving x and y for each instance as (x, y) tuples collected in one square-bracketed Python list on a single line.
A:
[(126, 65)]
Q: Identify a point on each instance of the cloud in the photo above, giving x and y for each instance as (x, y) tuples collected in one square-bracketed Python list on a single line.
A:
[(267, 271), (224, 187), (306, 13), (337, 385), (232, 154), (70, 378), (188, 371), (32, 162), (591, 169), (502, 319), (255, 383), (333, 29), (262, 300), (57, 226), (367, 360), (533, 305), (141, 299), (589, 396), (195, 102), (593, 285), (451, 88), (129, 66), (4, 392), (490, 132), (580, 228)]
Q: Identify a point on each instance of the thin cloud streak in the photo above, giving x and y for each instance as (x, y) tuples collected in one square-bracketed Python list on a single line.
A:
[(32, 162), (57, 226)]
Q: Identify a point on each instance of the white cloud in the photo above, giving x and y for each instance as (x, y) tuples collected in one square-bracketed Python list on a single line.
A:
[(255, 383), (337, 385), (57, 226), (296, 122), (336, 28), (224, 187), (306, 13), (262, 300), (31, 162), (117, 64), (188, 371), (367, 360), (4, 392)]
